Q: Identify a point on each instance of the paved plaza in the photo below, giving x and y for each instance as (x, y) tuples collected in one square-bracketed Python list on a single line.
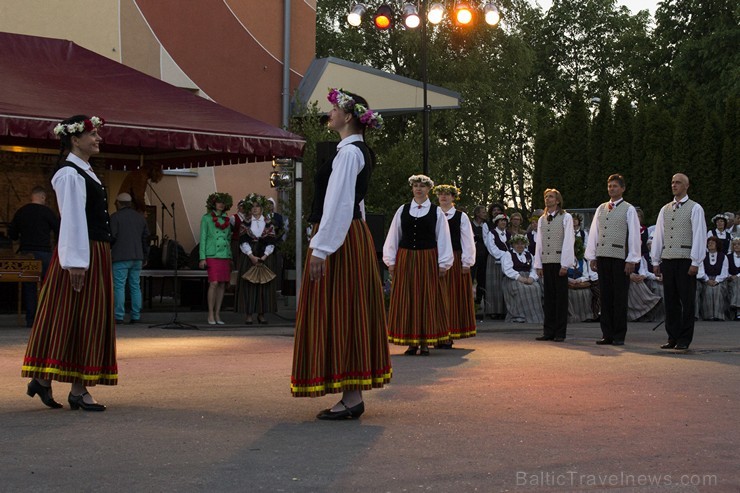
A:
[(210, 410)]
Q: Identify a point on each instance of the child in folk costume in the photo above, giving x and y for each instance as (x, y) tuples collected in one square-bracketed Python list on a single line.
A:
[(496, 238), (713, 288), (580, 277), (458, 284), (522, 290), (418, 252)]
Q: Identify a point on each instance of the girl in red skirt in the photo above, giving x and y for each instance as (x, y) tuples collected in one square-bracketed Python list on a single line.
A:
[(340, 339), (418, 252), (458, 284), (73, 338)]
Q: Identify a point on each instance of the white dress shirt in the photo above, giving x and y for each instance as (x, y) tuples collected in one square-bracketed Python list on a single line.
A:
[(74, 243), (257, 226), (445, 256), (467, 240), (339, 203), (698, 235), (634, 242)]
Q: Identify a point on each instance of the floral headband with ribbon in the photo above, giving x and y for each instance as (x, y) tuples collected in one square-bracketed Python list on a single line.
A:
[(255, 199), (78, 127), (367, 117), (451, 189)]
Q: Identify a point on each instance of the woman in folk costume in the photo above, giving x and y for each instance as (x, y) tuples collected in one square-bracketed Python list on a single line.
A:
[(418, 252), (257, 238), (215, 251), (643, 303), (515, 224), (481, 254), (496, 238), (713, 288), (522, 290), (73, 338), (578, 228), (580, 277), (457, 283), (733, 261), (721, 233), (341, 343)]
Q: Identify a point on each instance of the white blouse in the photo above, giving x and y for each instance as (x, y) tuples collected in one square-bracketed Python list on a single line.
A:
[(74, 243), (490, 242), (257, 226), (507, 266), (467, 241), (723, 274), (445, 256)]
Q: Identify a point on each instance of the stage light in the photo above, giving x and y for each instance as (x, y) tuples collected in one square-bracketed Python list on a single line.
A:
[(355, 14), (411, 16), (463, 14), (436, 13), (383, 17), (282, 179), (492, 14)]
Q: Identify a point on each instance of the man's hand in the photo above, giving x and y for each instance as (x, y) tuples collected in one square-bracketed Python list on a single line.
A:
[(593, 265), (563, 272), (629, 268), (693, 270)]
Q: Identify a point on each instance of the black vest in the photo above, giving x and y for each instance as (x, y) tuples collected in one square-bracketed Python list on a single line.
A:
[(726, 241), (96, 207), (716, 269), (520, 266), (532, 237), (497, 240), (734, 269), (418, 233), (455, 228), (321, 182)]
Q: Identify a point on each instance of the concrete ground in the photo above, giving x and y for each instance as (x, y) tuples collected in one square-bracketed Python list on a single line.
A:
[(211, 410)]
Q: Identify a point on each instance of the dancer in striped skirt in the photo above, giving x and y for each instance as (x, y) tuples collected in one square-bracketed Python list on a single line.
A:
[(458, 283), (73, 338), (418, 252), (340, 339)]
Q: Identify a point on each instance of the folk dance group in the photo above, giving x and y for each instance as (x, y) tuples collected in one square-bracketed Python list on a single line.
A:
[(342, 334)]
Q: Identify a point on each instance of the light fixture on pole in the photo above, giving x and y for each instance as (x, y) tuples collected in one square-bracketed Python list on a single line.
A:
[(436, 13), (354, 18), (411, 16), (463, 14), (383, 17), (491, 14)]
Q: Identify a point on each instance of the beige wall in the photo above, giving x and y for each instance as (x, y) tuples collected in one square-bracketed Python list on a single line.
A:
[(92, 24)]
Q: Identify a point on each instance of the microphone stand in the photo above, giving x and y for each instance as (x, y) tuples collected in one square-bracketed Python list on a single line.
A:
[(174, 323)]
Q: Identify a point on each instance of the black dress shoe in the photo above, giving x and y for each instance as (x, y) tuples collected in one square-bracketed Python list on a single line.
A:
[(668, 345), (44, 393), (617, 343), (544, 338), (411, 351), (681, 347), (119, 322), (134, 322), (443, 345), (424, 352), (262, 320), (77, 402), (601, 342), (558, 339), (346, 413)]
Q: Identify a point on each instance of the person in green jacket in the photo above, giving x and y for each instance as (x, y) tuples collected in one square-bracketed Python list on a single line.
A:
[(215, 251)]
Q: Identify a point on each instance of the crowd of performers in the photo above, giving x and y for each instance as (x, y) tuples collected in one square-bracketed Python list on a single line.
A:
[(440, 261)]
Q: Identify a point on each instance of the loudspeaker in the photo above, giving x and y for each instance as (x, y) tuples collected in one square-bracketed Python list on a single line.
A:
[(376, 224)]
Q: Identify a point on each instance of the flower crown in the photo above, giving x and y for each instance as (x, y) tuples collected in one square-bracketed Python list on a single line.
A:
[(451, 189), (519, 238), (421, 178), (78, 127), (222, 197), (367, 117), (255, 198)]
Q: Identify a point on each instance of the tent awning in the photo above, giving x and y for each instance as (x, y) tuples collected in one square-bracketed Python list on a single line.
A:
[(44, 80)]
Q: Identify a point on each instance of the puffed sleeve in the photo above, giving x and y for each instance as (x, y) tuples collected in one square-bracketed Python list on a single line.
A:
[(74, 243), (390, 247)]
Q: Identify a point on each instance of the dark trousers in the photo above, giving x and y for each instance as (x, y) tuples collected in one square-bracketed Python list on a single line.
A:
[(556, 301), (679, 291), (478, 272), (614, 285), (29, 288)]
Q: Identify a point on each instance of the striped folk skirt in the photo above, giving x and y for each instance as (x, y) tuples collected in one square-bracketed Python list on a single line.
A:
[(641, 302), (458, 292), (713, 301), (418, 311), (734, 292), (523, 302), (494, 300), (255, 298), (579, 305), (73, 338), (340, 336)]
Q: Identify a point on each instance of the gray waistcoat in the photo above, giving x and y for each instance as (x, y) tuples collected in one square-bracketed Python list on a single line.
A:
[(553, 234), (613, 231), (677, 232)]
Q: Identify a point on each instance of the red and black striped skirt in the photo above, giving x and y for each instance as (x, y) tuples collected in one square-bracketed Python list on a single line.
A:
[(73, 338), (340, 336), (418, 313), (458, 289)]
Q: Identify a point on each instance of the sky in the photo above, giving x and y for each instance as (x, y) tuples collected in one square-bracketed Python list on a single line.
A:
[(634, 5)]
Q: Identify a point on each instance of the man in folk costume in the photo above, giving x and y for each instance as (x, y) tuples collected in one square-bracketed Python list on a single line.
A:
[(613, 250), (679, 247)]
